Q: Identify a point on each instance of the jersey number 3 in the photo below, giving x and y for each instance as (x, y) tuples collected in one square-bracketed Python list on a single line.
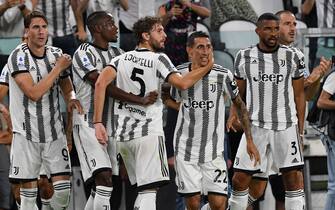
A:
[(135, 77)]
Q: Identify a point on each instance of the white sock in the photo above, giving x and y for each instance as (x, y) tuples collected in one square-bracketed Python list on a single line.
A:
[(90, 201), (251, 200), (146, 200), (238, 200), (28, 198), (206, 207), (295, 200), (61, 197), (102, 196), (46, 204)]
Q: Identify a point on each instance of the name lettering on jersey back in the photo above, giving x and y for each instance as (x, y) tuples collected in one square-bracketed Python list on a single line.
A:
[(263, 77), (131, 108), (140, 61), (203, 104)]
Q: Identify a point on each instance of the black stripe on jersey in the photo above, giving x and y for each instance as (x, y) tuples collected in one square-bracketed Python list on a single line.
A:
[(220, 69), (133, 127), (275, 94), (52, 109), (188, 149), (14, 61), (116, 51), (289, 57), (145, 127), (39, 109), (216, 115), (64, 16), (261, 88), (82, 46), (165, 62), (237, 63), (24, 47), (124, 125), (162, 153), (110, 56), (183, 66), (27, 123), (102, 57), (205, 120), (54, 16)]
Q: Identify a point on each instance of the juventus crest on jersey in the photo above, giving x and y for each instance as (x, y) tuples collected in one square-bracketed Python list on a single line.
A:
[(86, 59), (270, 98), (39, 121), (140, 72), (199, 132)]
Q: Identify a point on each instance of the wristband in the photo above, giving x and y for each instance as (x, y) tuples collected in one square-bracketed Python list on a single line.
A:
[(96, 123)]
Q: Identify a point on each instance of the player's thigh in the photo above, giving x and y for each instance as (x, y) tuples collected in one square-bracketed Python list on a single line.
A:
[(92, 155), (261, 139), (215, 177), (25, 159), (127, 152), (286, 149), (56, 158), (151, 162)]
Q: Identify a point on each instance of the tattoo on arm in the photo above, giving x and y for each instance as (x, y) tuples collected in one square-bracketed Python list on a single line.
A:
[(243, 115)]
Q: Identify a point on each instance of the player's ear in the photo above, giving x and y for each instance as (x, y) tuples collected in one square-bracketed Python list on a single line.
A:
[(146, 36)]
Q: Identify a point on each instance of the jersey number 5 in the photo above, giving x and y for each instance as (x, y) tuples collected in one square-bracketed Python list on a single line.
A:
[(136, 78)]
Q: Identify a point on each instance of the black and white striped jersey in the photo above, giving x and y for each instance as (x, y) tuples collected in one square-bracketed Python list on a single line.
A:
[(39, 121), (325, 10), (199, 133), (86, 59), (140, 72), (4, 78), (269, 90), (57, 13)]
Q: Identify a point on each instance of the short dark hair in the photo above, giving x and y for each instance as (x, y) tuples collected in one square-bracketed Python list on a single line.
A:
[(194, 35), (145, 25), (266, 16), (279, 13), (94, 19), (32, 15)]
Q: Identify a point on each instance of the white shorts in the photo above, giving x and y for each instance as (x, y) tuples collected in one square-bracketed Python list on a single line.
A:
[(284, 146), (93, 156), (113, 155), (204, 178), (26, 158), (145, 161)]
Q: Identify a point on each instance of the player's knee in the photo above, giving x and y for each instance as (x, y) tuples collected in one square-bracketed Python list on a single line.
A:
[(45, 188), (241, 181), (104, 178), (62, 190), (193, 202), (218, 205)]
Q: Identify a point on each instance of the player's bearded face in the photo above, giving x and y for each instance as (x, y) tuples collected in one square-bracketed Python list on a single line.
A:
[(269, 33), (157, 37)]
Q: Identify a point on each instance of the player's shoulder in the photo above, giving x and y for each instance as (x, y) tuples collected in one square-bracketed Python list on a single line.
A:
[(53, 49), (183, 67), (116, 51), (245, 51), (220, 69)]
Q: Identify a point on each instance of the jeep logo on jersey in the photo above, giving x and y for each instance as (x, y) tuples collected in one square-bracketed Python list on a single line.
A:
[(203, 104), (263, 77)]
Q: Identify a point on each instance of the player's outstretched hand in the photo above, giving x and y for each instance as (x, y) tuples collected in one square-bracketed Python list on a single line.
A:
[(75, 104), (325, 65), (64, 62), (101, 133), (253, 152), (233, 123), (150, 98)]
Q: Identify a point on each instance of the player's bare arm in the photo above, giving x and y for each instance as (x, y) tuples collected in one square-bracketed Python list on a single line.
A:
[(244, 119), (233, 122), (3, 91), (70, 96), (107, 75), (300, 103), (188, 80), (35, 91), (122, 95)]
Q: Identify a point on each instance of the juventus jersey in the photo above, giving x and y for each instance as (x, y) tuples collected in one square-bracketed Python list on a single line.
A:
[(269, 91), (140, 72), (4, 79), (86, 59), (39, 121), (325, 10), (57, 13), (199, 132)]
